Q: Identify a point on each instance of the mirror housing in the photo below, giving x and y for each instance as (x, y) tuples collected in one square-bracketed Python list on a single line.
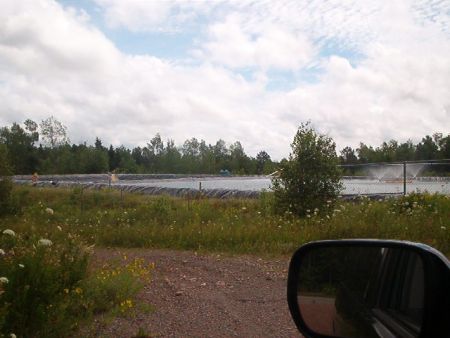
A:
[(431, 271)]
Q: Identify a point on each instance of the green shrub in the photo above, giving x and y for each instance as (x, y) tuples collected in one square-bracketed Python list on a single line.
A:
[(310, 179), (6, 185), (46, 290), (113, 287), (160, 208), (37, 272)]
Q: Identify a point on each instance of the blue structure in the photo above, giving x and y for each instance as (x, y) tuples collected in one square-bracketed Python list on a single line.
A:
[(224, 172)]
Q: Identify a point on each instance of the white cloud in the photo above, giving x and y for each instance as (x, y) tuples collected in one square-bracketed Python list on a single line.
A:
[(142, 16), (238, 45), (53, 60)]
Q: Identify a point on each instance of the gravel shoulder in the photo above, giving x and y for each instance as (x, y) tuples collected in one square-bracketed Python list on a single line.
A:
[(204, 295)]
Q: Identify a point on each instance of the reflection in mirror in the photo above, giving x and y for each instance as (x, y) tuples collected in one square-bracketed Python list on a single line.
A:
[(362, 291)]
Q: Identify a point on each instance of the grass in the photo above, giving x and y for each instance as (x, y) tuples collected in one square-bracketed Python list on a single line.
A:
[(47, 288), (104, 218)]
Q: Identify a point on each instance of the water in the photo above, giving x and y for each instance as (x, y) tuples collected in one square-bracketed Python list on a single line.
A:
[(389, 183), (350, 186), (231, 183)]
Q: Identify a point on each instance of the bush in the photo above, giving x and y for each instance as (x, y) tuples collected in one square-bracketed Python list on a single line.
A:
[(46, 290), (114, 287), (35, 274), (310, 179), (6, 185)]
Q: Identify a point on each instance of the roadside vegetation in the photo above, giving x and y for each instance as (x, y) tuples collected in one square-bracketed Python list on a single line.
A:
[(104, 218), (47, 286), (49, 289)]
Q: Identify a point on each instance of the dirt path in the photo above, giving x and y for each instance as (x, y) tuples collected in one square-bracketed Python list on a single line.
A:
[(206, 296)]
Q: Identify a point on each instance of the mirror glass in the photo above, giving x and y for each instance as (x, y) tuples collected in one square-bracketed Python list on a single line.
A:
[(362, 291)]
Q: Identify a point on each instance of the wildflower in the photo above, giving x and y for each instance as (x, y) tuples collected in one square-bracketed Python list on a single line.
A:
[(45, 242), (2, 252), (443, 228), (4, 280), (244, 208), (21, 266), (49, 211), (88, 249), (59, 228), (12, 335), (78, 291), (9, 232)]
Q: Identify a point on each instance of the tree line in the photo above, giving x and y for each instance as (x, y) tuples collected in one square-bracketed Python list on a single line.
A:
[(436, 147), (46, 149)]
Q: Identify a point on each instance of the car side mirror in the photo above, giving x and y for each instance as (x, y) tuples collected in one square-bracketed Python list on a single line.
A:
[(369, 288)]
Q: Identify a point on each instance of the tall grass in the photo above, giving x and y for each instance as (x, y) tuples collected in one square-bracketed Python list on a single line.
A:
[(46, 288), (105, 218)]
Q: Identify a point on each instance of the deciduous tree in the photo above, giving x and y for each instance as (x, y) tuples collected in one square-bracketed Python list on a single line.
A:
[(311, 177)]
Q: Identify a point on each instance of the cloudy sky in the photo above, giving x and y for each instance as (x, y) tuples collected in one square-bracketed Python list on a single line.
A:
[(238, 70)]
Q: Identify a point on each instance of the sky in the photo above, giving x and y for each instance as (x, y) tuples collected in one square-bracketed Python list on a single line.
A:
[(248, 71)]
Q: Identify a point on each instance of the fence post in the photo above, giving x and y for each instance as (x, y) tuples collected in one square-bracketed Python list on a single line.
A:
[(404, 178)]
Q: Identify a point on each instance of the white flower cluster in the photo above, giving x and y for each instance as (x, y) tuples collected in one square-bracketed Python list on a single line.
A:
[(9, 232), (49, 211), (4, 280), (45, 242)]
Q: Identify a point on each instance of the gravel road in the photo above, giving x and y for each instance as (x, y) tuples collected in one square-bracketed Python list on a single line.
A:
[(198, 295)]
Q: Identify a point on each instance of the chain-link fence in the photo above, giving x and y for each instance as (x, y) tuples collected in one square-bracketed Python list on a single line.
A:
[(397, 178), (359, 179)]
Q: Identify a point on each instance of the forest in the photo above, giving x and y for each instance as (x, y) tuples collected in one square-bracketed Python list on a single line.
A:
[(46, 149)]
